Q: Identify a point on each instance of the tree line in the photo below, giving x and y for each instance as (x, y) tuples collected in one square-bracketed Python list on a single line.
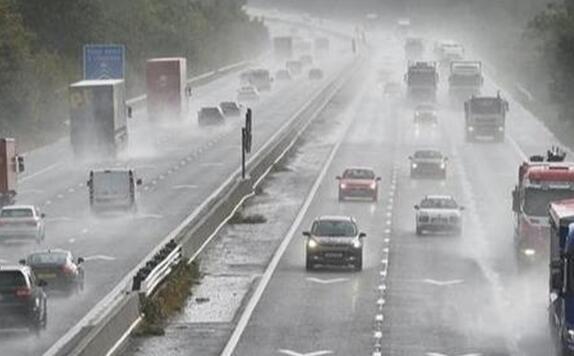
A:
[(41, 49)]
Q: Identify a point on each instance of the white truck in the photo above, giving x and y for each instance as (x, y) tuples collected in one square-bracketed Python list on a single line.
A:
[(113, 189), (465, 79)]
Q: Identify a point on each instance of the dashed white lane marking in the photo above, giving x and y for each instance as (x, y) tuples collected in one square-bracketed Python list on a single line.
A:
[(185, 186), (72, 240), (378, 334), (314, 353), (85, 230), (379, 317), (71, 190), (326, 281), (48, 202), (99, 257), (443, 283), (381, 301)]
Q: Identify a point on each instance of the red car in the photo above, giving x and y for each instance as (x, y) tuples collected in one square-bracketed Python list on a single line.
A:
[(358, 183)]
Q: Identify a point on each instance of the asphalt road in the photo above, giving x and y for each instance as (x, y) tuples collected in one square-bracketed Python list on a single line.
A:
[(181, 165), (430, 295)]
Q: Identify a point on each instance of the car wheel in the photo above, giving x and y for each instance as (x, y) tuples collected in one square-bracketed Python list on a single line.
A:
[(309, 265), (419, 231), (359, 263), (341, 196)]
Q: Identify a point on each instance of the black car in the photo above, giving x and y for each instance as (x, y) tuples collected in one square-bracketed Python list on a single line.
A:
[(58, 269), (428, 164), (230, 108), (209, 116), (23, 302), (334, 240)]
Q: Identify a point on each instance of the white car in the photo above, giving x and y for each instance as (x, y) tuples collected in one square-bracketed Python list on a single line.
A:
[(247, 94), (22, 221), (438, 213)]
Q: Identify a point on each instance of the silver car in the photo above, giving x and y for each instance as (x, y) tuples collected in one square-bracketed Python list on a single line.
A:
[(438, 213), (22, 221)]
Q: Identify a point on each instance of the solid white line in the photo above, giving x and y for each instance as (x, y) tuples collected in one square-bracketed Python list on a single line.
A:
[(250, 307)]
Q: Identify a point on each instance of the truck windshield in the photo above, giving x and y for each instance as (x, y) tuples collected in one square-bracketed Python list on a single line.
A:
[(486, 106), (334, 228), (536, 200), (111, 183)]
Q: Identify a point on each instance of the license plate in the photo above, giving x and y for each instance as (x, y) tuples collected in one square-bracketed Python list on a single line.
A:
[(46, 275), (333, 255)]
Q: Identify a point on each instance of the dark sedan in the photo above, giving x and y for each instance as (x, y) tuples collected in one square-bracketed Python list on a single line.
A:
[(58, 269)]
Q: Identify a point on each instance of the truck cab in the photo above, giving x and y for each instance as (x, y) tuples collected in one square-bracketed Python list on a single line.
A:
[(561, 276), (465, 79), (113, 189), (540, 182), (261, 79), (485, 116)]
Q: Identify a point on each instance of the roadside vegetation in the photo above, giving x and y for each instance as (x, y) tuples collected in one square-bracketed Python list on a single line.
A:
[(41, 49)]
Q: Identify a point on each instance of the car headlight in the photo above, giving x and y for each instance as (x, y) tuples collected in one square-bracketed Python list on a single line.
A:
[(343, 186), (500, 128), (414, 165), (470, 128), (443, 165), (373, 185), (357, 243), (570, 336), (529, 252), (312, 243)]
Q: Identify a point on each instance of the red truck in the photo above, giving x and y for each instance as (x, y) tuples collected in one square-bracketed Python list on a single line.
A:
[(541, 181), (10, 165), (166, 82)]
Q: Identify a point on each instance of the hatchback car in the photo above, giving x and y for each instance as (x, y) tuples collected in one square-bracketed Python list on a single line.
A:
[(247, 94), (438, 213), (334, 240), (231, 108), (58, 268), (209, 116), (22, 221), (358, 182), (428, 164), (23, 302)]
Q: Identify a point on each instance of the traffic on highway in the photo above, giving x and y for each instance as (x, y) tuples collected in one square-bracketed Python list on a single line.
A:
[(407, 203)]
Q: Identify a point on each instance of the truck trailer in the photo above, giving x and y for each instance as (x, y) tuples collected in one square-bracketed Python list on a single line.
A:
[(98, 118), (167, 90)]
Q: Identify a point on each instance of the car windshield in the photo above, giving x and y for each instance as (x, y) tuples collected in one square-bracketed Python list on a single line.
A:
[(48, 258), (536, 201), (428, 154), (439, 203), (359, 174), (334, 228), (11, 279), (17, 213), (486, 105)]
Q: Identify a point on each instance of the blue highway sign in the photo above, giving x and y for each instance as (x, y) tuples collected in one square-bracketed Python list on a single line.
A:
[(104, 61)]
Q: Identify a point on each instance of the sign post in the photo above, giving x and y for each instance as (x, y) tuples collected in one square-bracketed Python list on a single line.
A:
[(246, 139), (104, 61)]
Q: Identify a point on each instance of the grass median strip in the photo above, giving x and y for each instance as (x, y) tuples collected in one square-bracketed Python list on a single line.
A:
[(169, 300)]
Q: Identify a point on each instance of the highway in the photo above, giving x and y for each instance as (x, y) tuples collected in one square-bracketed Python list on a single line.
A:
[(430, 295), (180, 164)]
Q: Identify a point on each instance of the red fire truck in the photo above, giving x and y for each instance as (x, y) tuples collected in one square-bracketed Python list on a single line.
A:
[(540, 181)]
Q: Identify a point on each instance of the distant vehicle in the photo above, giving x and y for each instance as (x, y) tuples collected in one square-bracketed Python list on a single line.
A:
[(210, 116), (245, 78), (392, 89), (447, 51), (23, 302), (98, 117), (295, 67), (11, 164), (261, 79), (113, 190), (414, 48), (403, 27), (358, 182), (334, 240), (247, 94), (485, 116), (306, 59), (231, 108), (438, 213), (283, 47), (22, 222), (58, 268), (425, 114), (283, 75), (428, 164), (465, 79), (167, 90), (315, 74), (422, 81)]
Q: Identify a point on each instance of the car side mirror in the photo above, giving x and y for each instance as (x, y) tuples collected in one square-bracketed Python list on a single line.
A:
[(21, 166), (556, 281), (130, 112), (338, 177), (462, 208), (89, 183), (417, 207), (411, 158), (139, 181), (378, 179), (42, 215), (81, 260), (42, 283), (446, 158), (515, 201), (306, 234), (22, 262), (362, 235), (188, 91)]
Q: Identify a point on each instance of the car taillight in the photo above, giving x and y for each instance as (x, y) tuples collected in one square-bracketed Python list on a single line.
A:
[(373, 185), (343, 186), (67, 269), (23, 292)]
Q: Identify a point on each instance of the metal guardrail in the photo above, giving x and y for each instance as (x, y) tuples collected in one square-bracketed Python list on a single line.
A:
[(149, 277)]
